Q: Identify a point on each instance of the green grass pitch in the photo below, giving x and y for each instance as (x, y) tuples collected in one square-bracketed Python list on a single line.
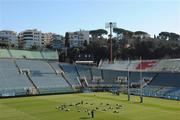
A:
[(47, 108)]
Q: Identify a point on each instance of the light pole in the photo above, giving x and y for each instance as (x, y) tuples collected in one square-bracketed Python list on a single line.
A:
[(110, 25)]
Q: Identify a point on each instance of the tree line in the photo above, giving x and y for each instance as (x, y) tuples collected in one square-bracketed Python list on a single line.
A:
[(165, 45)]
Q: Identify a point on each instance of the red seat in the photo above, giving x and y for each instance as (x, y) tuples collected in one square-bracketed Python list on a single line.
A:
[(145, 64)]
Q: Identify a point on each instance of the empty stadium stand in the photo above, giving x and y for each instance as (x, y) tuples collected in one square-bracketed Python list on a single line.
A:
[(35, 74), (50, 55), (35, 66), (146, 64), (38, 72), (167, 79), (71, 74), (168, 65), (51, 83), (110, 76), (84, 72), (25, 54), (96, 75), (162, 91), (12, 83), (171, 65), (4, 53), (43, 76), (28, 54)]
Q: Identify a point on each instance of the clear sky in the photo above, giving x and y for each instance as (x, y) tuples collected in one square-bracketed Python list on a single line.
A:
[(59, 16)]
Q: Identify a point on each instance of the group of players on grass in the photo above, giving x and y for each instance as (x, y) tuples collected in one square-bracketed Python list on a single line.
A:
[(103, 107)]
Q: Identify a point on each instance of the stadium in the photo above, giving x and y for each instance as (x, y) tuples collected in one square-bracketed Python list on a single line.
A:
[(35, 86)]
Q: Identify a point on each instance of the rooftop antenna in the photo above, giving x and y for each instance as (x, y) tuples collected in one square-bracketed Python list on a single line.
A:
[(110, 25)]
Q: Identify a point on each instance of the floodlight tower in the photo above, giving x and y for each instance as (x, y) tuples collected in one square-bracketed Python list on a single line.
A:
[(110, 25)]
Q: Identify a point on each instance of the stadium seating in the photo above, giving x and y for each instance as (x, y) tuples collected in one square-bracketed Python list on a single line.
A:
[(146, 64), (20, 54), (133, 64), (44, 77), (171, 65), (36, 55), (167, 79), (84, 71), (121, 65), (110, 76), (35, 66), (56, 66), (118, 65), (159, 91), (4, 53), (51, 83), (49, 76), (50, 55), (12, 82), (7, 64), (71, 74), (136, 76), (96, 74), (96, 71)]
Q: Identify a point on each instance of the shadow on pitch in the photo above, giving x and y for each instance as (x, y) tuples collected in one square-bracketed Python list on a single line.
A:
[(84, 118)]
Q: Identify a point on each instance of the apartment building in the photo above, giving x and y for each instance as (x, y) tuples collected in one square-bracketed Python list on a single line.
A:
[(47, 39), (58, 41), (78, 38), (9, 38), (30, 38)]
